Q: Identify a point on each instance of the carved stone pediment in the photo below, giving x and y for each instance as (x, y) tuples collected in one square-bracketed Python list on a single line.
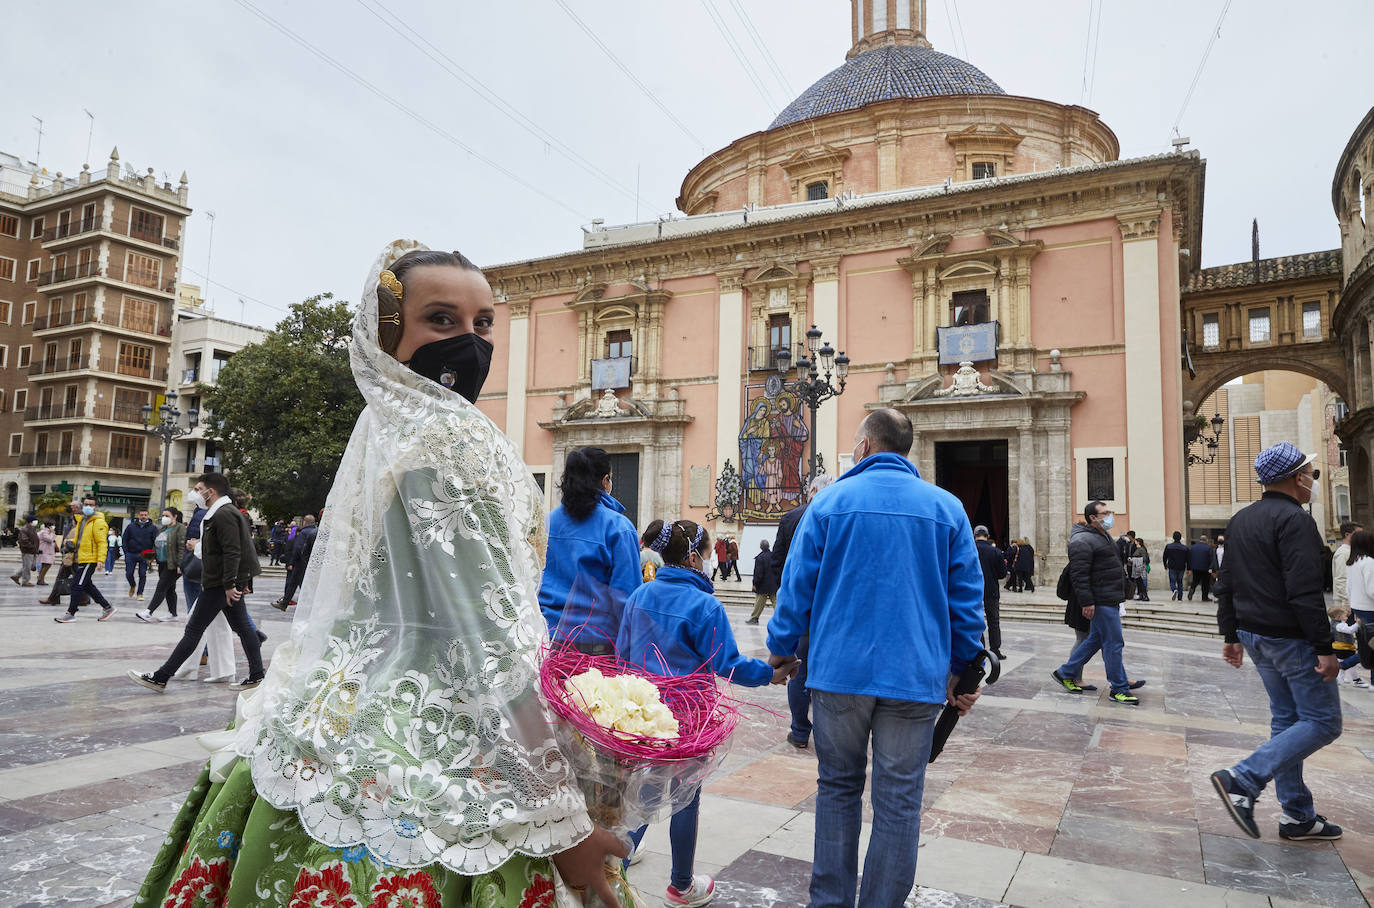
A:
[(966, 384), (607, 406)]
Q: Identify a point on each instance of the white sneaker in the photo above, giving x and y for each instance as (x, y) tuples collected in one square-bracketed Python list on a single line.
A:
[(144, 616), (169, 617), (701, 892), (1360, 682)]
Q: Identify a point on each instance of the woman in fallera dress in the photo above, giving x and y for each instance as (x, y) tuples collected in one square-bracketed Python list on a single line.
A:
[(398, 752)]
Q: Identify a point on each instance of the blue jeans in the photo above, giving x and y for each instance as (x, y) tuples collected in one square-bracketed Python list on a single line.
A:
[(110, 557), (1105, 635), (133, 562), (682, 836), (1176, 582), (1351, 661), (799, 698), (901, 731), (1305, 716)]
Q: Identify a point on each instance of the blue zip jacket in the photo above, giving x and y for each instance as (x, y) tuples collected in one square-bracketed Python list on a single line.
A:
[(139, 538), (676, 626), (591, 566), (884, 576)]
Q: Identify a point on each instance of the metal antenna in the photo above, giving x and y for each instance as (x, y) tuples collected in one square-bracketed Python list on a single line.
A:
[(38, 155), (209, 251), (89, 135)]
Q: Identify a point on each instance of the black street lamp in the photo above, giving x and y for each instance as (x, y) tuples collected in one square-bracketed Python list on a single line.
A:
[(1193, 434), (813, 379), (168, 428)]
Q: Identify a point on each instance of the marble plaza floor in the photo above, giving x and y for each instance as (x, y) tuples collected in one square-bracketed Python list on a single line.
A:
[(1041, 797)]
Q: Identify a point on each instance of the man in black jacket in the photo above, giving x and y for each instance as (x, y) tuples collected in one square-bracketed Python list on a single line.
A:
[(765, 582), (228, 566), (301, 549), (1200, 558), (798, 697), (994, 565), (1176, 562), (1272, 606), (1099, 582)]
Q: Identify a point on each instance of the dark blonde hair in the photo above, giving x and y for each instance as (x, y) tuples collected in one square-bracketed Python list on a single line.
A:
[(389, 332)]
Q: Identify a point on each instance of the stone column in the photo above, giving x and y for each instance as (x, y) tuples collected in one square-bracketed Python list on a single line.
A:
[(825, 313), (1028, 494), (517, 372), (1144, 375), (729, 345)]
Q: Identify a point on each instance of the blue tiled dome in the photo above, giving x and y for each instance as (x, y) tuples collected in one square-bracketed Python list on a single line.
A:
[(893, 71)]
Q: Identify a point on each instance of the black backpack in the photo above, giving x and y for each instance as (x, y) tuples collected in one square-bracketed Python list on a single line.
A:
[(1365, 646), (1064, 588)]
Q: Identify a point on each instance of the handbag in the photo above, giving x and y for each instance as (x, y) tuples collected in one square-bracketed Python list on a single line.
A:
[(191, 568)]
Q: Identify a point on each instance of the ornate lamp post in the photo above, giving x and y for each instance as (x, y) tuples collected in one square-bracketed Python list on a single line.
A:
[(1193, 434), (168, 428), (813, 385)]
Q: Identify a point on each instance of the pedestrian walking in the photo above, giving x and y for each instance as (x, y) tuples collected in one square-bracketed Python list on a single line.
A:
[(28, 552), (1099, 583), (218, 653), (732, 549), (1200, 557), (593, 558), (137, 541), (47, 550), (112, 542), (676, 626), (722, 553), (1025, 566), (994, 566), (1013, 548), (90, 550), (1272, 606), (798, 696), (229, 565), (764, 581), (169, 546), (1340, 596), (881, 673), (61, 585), (1140, 570), (1360, 575), (1176, 563), (301, 549)]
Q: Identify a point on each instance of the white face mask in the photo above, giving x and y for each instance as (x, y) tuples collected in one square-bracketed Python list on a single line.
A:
[(1108, 522), (166, 521), (195, 499), (1316, 490)]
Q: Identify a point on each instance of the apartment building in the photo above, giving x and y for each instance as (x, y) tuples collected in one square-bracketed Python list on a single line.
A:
[(88, 276)]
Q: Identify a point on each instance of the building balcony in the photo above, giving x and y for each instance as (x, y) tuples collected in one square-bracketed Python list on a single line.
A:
[(133, 370), (71, 229), (147, 463), (149, 280), (71, 318), (59, 365), (765, 359), (123, 229), (113, 413), (190, 376), (70, 273), (137, 277), (52, 411), (49, 459)]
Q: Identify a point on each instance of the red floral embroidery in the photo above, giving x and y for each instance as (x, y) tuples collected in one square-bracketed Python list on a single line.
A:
[(327, 887), (414, 890), (200, 884), (539, 894)]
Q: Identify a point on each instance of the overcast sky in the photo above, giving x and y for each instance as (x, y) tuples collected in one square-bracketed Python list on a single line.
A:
[(309, 172)]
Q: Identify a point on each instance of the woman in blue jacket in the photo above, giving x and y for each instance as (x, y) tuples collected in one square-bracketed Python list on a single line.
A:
[(676, 626), (592, 562)]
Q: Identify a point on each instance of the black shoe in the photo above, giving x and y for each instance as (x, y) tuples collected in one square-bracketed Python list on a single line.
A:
[(246, 684), (1206, 599), (1240, 806), (1086, 686), (1137, 685), (280, 604), (1124, 698), (751, 621), (262, 638), (799, 745), (1190, 597), (1315, 829), (147, 680), (1066, 683), (998, 654)]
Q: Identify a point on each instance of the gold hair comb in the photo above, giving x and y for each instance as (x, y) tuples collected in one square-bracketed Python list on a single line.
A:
[(390, 282), (393, 318)]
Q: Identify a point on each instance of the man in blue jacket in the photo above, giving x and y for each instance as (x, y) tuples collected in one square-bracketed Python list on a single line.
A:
[(1200, 559), (139, 536), (886, 643)]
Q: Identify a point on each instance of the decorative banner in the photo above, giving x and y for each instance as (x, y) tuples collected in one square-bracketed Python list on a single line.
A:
[(967, 343), (773, 454), (611, 373)]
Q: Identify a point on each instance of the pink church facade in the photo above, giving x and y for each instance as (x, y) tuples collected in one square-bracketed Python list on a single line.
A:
[(941, 223)]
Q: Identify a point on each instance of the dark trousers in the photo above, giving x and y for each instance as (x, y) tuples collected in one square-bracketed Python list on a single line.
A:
[(133, 561), (210, 604), (1204, 578), (992, 614), (294, 576), (63, 572), (166, 589), (731, 566), (798, 697), (83, 587)]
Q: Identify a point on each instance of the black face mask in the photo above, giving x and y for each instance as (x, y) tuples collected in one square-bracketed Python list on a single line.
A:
[(458, 363)]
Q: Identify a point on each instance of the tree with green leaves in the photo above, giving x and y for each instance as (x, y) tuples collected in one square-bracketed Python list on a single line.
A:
[(283, 409), (52, 504)]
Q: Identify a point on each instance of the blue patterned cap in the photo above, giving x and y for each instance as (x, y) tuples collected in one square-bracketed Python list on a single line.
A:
[(1279, 462)]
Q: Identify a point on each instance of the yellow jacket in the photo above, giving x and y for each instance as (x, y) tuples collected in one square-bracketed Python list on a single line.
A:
[(94, 534)]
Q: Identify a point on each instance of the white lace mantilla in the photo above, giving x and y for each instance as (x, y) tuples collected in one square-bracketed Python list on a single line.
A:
[(403, 713)]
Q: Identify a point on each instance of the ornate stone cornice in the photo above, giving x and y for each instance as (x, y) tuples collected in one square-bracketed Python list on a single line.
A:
[(1141, 225), (825, 268), (731, 279), (518, 308)]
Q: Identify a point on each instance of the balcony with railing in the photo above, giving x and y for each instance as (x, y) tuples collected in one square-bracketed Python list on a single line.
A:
[(67, 318), (49, 458), (117, 460), (69, 273), (765, 359), (76, 227), (142, 323), (57, 365), (132, 368), (132, 415), (141, 277), (52, 411)]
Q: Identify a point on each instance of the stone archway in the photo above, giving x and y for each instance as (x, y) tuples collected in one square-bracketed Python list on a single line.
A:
[(1205, 384)]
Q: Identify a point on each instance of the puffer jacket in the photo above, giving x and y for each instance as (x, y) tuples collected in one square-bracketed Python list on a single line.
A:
[(1095, 568), (94, 534)]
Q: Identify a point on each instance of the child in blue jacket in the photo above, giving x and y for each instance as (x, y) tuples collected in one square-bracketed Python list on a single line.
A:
[(676, 626)]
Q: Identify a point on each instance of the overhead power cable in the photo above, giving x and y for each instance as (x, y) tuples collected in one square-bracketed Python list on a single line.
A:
[(1097, 42), (1207, 52), (408, 111), (454, 69), (629, 74), (238, 293), (762, 47), (738, 52)]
